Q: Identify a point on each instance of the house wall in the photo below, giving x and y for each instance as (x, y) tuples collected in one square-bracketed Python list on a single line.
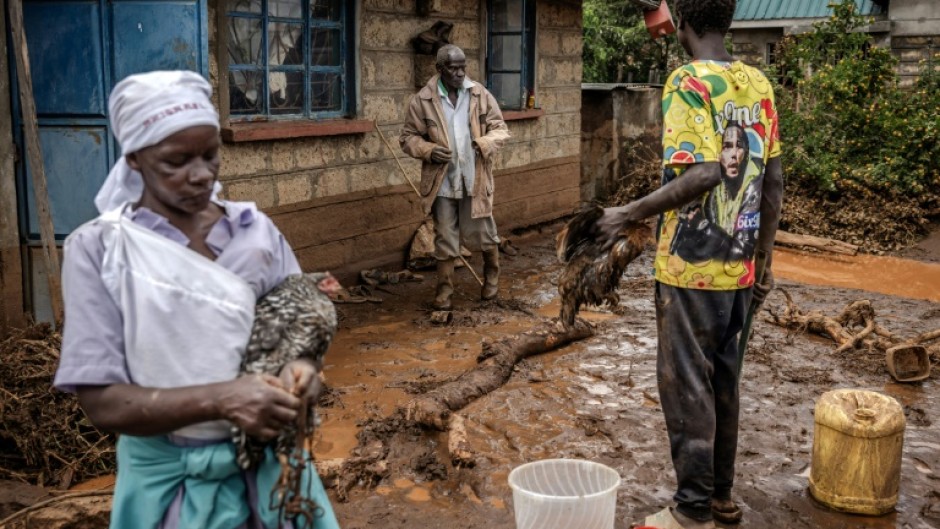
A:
[(911, 31), (620, 126), (915, 36), (342, 202), (750, 45)]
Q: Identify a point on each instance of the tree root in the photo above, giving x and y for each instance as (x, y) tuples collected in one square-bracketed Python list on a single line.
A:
[(496, 363), (854, 328)]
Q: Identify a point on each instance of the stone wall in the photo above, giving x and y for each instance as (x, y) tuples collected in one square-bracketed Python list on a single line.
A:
[(620, 126), (750, 45), (304, 183), (915, 55)]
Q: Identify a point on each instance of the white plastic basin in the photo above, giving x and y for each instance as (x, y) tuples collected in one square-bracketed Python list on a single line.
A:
[(564, 494)]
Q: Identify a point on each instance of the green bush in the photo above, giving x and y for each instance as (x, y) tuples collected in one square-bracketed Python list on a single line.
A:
[(845, 121)]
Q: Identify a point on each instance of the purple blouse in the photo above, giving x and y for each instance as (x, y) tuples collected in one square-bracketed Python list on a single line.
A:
[(244, 240)]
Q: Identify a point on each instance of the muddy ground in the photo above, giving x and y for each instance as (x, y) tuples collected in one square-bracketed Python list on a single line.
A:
[(597, 400)]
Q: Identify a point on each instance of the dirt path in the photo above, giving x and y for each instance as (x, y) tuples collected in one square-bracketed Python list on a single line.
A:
[(597, 400)]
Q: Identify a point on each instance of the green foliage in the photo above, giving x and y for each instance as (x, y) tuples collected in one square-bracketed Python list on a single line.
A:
[(617, 44), (846, 123)]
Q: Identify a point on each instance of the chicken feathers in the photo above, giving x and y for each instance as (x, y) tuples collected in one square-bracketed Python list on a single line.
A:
[(294, 320), (592, 274)]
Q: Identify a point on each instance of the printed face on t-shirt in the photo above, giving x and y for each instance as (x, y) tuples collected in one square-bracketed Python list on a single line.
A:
[(733, 152)]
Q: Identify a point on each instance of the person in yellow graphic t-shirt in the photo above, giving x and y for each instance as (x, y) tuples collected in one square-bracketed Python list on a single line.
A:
[(718, 206)]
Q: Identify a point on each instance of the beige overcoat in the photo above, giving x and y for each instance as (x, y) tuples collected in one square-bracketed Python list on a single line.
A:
[(425, 129)]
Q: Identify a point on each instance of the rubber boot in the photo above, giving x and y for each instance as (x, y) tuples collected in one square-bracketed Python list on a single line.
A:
[(445, 284), (490, 273)]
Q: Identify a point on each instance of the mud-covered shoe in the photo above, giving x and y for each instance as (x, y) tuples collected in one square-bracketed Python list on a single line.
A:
[(445, 285), (726, 511), (490, 274)]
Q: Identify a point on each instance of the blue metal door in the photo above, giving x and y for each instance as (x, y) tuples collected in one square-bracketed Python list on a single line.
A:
[(78, 50)]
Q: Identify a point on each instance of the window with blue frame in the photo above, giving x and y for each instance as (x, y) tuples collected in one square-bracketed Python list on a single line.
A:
[(510, 61), (290, 58)]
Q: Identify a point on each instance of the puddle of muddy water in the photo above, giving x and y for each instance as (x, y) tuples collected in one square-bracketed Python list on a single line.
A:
[(885, 275)]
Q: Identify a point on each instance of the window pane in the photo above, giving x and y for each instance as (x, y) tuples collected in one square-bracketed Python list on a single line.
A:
[(325, 9), (244, 89), (507, 52), (325, 92), (324, 47), (507, 89), (245, 6), (285, 43), (244, 41), (507, 15), (285, 8), (287, 92)]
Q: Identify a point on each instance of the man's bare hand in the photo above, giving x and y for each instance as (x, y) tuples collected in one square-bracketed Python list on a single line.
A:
[(764, 287), (611, 223), (441, 155)]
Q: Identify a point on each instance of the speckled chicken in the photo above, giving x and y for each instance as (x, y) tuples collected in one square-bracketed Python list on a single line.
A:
[(591, 274), (294, 320)]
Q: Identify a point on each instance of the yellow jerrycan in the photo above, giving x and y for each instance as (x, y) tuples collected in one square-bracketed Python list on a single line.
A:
[(857, 451)]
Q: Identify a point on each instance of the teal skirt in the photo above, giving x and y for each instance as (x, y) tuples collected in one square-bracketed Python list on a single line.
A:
[(152, 469)]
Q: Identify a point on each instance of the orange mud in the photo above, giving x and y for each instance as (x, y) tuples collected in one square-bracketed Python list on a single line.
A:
[(886, 275)]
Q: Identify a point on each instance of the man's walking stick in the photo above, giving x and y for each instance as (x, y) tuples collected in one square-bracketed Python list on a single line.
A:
[(405, 174)]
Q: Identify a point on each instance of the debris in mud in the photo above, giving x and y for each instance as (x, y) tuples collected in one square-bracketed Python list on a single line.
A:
[(856, 328), (45, 437), (497, 361), (486, 313), (381, 277)]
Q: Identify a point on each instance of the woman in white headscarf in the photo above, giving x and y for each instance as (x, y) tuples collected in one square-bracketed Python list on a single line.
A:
[(159, 301)]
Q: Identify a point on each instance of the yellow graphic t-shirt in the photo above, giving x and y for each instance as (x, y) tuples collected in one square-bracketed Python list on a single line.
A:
[(715, 112)]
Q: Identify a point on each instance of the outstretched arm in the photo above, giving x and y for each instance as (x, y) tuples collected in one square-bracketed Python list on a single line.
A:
[(694, 182)]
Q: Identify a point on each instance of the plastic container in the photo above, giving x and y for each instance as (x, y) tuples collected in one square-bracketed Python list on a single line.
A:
[(564, 494), (908, 363), (659, 21), (857, 451)]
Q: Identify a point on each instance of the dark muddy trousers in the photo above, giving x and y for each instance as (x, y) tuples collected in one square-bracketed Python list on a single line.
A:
[(698, 385)]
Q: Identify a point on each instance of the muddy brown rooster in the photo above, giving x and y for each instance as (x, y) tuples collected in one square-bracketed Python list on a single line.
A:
[(592, 274)]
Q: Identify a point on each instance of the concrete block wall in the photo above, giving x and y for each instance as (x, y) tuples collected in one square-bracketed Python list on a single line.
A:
[(621, 126), (297, 180), (916, 54)]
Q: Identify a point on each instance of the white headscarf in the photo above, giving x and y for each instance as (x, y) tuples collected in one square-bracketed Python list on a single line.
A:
[(144, 110)]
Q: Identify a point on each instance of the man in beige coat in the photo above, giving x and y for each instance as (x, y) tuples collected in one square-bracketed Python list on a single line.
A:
[(454, 126)]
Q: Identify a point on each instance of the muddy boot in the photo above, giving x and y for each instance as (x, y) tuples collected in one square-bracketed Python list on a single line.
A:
[(490, 273), (445, 284)]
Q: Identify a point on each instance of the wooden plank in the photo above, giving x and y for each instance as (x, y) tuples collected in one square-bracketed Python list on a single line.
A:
[(11, 270), (817, 243), (34, 155), (277, 130)]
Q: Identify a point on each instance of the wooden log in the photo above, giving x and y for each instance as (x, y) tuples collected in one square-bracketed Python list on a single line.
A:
[(34, 156), (817, 243), (458, 443), (496, 364)]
